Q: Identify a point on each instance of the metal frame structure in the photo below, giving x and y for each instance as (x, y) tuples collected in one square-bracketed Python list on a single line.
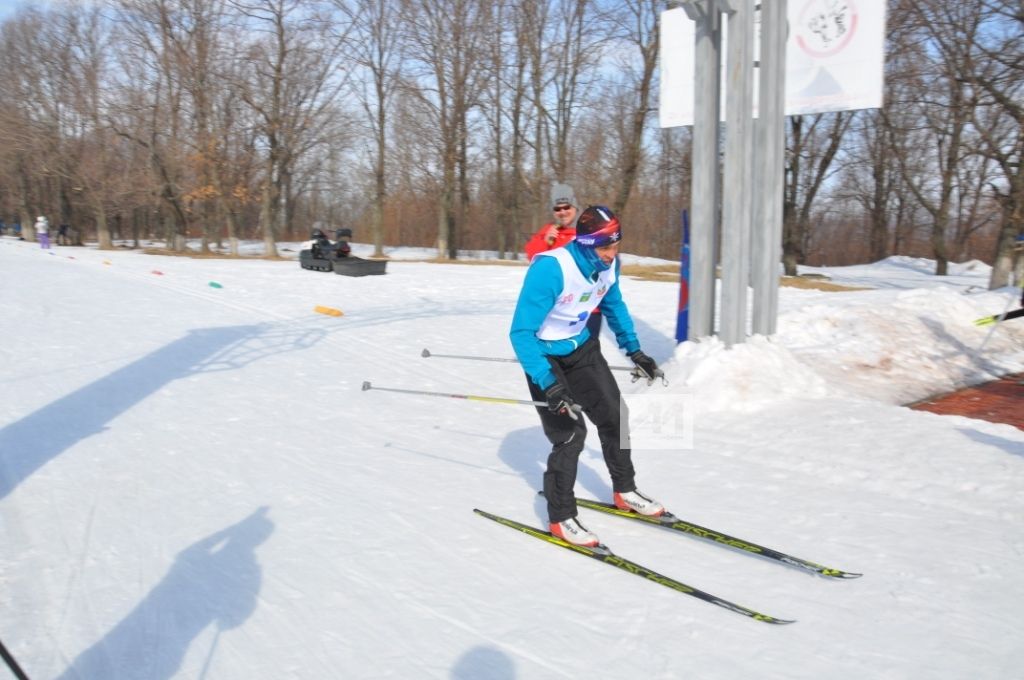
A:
[(751, 203)]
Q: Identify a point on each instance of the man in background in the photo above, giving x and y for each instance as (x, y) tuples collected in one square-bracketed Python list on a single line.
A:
[(562, 228), (557, 233)]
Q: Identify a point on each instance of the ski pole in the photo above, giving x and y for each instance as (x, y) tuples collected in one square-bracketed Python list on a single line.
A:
[(472, 397), (427, 353), (11, 663), (634, 370), (996, 318)]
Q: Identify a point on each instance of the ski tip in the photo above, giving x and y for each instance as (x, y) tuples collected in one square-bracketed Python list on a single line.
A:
[(837, 573), (425, 353), (778, 622), (848, 575)]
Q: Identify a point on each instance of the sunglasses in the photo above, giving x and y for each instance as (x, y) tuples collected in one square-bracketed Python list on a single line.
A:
[(562, 208)]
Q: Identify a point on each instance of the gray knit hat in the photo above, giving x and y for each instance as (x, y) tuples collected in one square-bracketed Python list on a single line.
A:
[(562, 194)]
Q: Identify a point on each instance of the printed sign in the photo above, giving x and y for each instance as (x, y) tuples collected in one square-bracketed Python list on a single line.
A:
[(835, 58)]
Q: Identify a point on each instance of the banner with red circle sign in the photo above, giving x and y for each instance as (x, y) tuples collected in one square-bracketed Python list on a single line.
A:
[(835, 56)]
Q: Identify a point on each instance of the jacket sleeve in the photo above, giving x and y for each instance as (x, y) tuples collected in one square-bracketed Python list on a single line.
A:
[(617, 315), (540, 289), (536, 244)]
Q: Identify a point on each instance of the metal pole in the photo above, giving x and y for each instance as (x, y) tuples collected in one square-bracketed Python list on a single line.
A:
[(770, 150), (704, 182), (11, 663), (737, 204)]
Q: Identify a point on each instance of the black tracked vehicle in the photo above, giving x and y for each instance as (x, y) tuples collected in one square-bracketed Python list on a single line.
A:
[(325, 255)]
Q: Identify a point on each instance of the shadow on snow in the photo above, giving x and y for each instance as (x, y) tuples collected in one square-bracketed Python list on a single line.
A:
[(483, 663), (36, 439), (213, 581)]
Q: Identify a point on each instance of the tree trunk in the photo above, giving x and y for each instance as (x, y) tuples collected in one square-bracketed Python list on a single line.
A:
[(102, 228), (268, 216), (103, 238), (1007, 260)]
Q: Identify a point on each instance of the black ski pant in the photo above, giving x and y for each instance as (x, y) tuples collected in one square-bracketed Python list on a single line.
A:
[(591, 385)]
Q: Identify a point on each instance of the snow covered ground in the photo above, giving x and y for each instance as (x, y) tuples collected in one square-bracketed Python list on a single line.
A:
[(194, 485)]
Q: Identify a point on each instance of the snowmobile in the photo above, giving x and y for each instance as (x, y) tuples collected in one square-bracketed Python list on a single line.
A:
[(324, 255)]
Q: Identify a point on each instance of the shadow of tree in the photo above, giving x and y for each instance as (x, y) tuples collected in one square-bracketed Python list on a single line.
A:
[(957, 348), (29, 443), (214, 581)]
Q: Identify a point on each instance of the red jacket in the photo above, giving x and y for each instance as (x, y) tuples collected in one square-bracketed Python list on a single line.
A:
[(537, 244)]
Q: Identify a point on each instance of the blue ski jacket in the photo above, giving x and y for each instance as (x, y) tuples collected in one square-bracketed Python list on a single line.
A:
[(542, 286)]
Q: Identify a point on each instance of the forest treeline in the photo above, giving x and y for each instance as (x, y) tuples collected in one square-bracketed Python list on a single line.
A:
[(444, 122)]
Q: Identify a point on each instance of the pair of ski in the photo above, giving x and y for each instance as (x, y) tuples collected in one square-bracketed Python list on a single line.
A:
[(602, 553)]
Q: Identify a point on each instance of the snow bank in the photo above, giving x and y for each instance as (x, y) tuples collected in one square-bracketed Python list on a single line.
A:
[(902, 346), (744, 378), (895, 346)]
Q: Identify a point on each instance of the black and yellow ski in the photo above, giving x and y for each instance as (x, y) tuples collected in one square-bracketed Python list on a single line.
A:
[(670, 521), (601, 553)]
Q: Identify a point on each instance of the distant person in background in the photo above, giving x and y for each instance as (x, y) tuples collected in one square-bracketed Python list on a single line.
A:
[(318, 243), (62, 235), (562, 228), (558, 232), (42, 227), (341, 237)]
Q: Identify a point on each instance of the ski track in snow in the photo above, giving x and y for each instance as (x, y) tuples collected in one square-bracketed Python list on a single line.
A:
[(202, 489)]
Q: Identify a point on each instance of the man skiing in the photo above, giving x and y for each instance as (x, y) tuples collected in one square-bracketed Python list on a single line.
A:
[(566, 369)]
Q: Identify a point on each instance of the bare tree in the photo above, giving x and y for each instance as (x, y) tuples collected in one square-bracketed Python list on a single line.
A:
[(505, 69), (447, 39), (872, 176), (151, 103), (91, 157), (378, 50), (506, 103), (637, 26), (292, 80), (813, 142), (196, 36), (928, 120), (563, 41), (27, 117), (991, 59)]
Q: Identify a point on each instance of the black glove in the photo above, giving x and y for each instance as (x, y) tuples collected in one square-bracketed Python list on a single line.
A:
[(560, 402), (645, 367)]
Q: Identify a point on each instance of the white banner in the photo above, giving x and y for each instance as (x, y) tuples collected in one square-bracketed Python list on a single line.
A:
[(835, 58)]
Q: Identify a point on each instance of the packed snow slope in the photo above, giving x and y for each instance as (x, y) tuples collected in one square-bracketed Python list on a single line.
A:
[(193, 483)]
